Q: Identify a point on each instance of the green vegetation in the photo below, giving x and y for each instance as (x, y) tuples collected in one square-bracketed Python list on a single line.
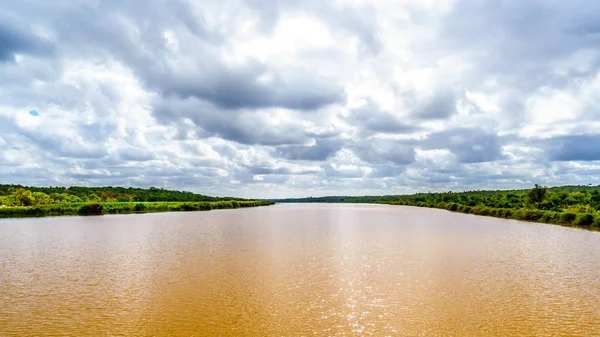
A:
[(17, 195), (566, 205), (21, 201), (125, 207)]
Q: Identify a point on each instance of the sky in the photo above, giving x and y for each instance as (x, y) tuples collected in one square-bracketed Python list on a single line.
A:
[(285, 98)]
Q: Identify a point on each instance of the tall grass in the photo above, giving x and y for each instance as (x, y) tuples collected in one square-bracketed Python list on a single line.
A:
[(125, 207)]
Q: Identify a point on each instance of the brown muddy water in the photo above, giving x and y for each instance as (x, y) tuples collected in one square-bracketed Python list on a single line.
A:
[(297, 270)]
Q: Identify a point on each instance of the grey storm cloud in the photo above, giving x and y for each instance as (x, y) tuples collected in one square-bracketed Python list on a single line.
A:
[(242, 87), (370, 119), (468, 144), (15, 39), (240, 126), (321, 150), (440, 105), (378, 151), (572, 148), (258, 98)]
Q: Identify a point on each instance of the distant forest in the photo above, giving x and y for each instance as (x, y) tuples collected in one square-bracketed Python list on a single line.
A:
[(569, 205), (18, 195), (556, 199)]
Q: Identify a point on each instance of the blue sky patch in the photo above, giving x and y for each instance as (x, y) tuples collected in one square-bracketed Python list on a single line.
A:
[(34, 113)]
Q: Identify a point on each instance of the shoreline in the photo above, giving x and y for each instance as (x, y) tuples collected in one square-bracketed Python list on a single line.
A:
[(587, 221), (79, 209), (566, 219)]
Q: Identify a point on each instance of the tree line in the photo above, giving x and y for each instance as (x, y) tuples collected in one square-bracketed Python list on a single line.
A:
[(18, 195), (125, 207), (572, 205)]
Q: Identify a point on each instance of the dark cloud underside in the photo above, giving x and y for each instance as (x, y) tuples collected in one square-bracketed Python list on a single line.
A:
[(276, 98)]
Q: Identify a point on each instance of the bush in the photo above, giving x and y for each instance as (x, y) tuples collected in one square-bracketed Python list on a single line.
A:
[(453, 207), (140, 207), (531, 215), (568, 217), (481, 210), (188, 207), (596, 221), (504, 213), (585, 219), (548, 217), (94, 208)]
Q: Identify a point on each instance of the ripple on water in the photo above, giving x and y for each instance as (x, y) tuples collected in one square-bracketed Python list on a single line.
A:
[(292, 270)]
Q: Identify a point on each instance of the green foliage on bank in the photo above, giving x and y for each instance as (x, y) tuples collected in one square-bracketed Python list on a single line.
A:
[(565, 205), (17, 200), (125, 207), (591, 219), (18, 195)]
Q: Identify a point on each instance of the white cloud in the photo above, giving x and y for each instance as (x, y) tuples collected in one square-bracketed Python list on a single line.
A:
[(282, 98)]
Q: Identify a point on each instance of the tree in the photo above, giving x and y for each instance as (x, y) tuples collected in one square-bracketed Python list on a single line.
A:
[(24, 197), (59, 198), (446, 197), (73, 199), (125, 198), (8, 200), (40, 198), (93, 198), (537, 194), (595, 199), (108, 196)]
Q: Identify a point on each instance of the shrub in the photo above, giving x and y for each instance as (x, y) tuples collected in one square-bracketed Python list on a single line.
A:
[(568, 217), (140, 207), (94, 208), (205, 206), (453, 207), (531, 215), (188, 207), (596, 221), (481, 210), (504, 213), (585, 219), (548, 217)]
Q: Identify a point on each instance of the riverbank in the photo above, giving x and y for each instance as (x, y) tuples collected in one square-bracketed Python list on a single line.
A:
[(561, 205), (124, 208), (584, 220)]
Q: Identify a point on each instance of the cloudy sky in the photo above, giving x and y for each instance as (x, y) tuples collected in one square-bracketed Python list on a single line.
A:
[(279, 98)]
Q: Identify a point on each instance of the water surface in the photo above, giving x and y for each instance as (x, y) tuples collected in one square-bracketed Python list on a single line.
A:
[(297, 270)]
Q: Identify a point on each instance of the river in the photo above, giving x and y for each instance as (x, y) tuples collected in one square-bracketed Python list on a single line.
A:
[(297, 270)]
